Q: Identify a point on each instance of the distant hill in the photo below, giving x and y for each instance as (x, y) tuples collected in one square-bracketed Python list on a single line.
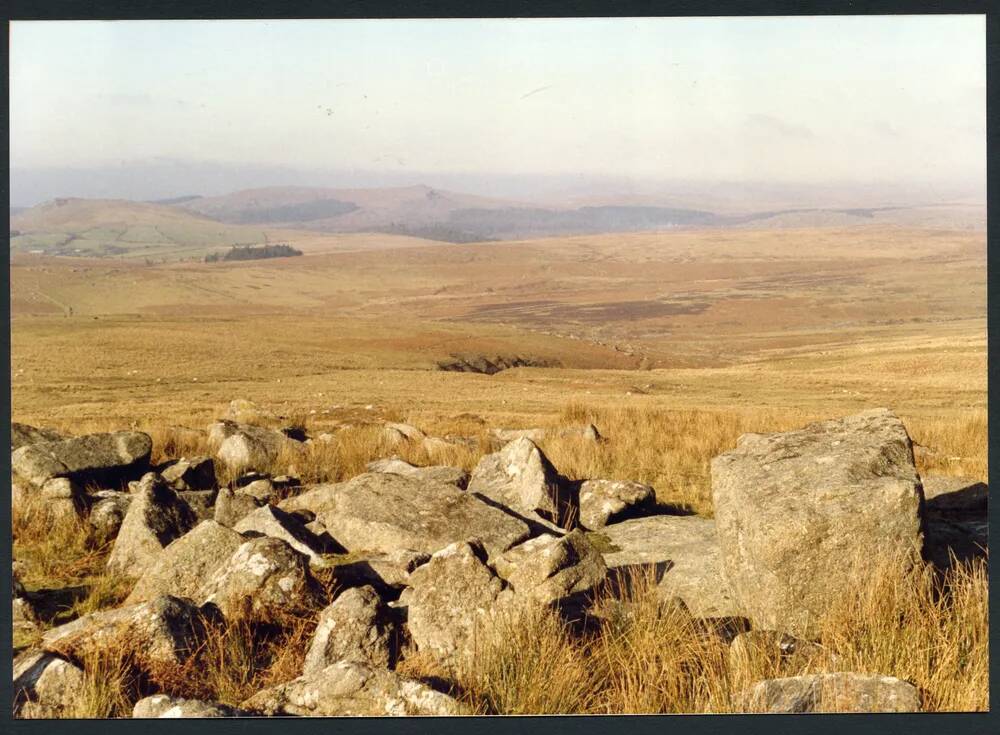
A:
[(119, 228)]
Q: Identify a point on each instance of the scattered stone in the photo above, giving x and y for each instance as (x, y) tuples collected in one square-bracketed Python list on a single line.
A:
[(508, 435), (163, 630), (520, 477), (22, 435), (155, 517), (276, 523), (608, 501), (63, 497), (437, 473), (101, 459), (243, 411), (448, 598), (356, 627), (197, 473), (231, 507), (265, 572), (45, 686), (384, 513), (183, 566), (838, 692), (166, 707), (396, 433), (550, 570), (680, 552), (351, 688), (242, 447), (802, 515)]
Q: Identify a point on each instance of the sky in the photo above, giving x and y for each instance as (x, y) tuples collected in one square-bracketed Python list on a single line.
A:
[(886, 98)]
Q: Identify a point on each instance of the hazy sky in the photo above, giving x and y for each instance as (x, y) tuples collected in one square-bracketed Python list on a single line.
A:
[(790, 99)]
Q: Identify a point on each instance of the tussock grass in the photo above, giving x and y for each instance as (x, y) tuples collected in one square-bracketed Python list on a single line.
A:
[(648, 655)]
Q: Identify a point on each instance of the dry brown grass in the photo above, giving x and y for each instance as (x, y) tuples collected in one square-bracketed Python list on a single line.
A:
[(650, 656)]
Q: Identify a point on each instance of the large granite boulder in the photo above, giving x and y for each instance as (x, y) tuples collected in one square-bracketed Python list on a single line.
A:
[(681, 553), (357, 626), (164, 630), (162, 706), (837, 692), (184, 565), (549, 570), (45, 686), (263, 576), (155, 517), (242, 447), (386, 512), (276, 523), (352, 688), (449, 599), (521, 477), (22, 435), (802, 515), (436, 473), (609, 501), (100, 459)]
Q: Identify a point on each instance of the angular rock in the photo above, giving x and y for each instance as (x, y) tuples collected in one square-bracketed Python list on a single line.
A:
[(682, 552), (549, 570), (384, 513), (265, 573), (385, 572), (520, 477), (166, 707), (449, 598), (276, 523), (352, 688), (955, 495), (396, 433), (261, 490), (437, 473), (155, 517), (183, 566), (838, 692), (22, 435), (608, 501), (197, 473), (163, 630), (231, 507), (802, 515), (45, 686), (63, 497), (356, 627), (252, 448), (99, 459)]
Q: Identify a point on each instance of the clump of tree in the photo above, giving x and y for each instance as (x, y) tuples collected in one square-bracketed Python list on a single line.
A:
[(254, 252)]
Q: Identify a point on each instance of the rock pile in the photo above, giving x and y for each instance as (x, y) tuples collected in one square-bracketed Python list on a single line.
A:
[(435, 553)]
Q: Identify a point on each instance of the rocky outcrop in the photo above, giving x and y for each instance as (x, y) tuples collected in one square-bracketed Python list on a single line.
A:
[(276, 523), (802, 515), (352, 688), (100, 459), (550, 570), (520, 477), (45, 686), (356, 627), (384, 513), (155, 517), (449, 597), (264, 576), (437, 473), (184, 565), (838, 692), (680, 553), (166, 707), (608, 501), (163, 630)]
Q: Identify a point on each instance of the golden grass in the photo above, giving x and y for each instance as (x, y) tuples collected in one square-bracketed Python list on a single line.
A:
[(650, 656)]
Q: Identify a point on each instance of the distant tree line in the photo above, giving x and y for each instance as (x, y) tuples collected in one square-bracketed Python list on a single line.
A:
[(253, 252)]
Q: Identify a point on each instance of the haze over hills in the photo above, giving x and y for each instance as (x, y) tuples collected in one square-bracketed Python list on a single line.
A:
[(193, 225)]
